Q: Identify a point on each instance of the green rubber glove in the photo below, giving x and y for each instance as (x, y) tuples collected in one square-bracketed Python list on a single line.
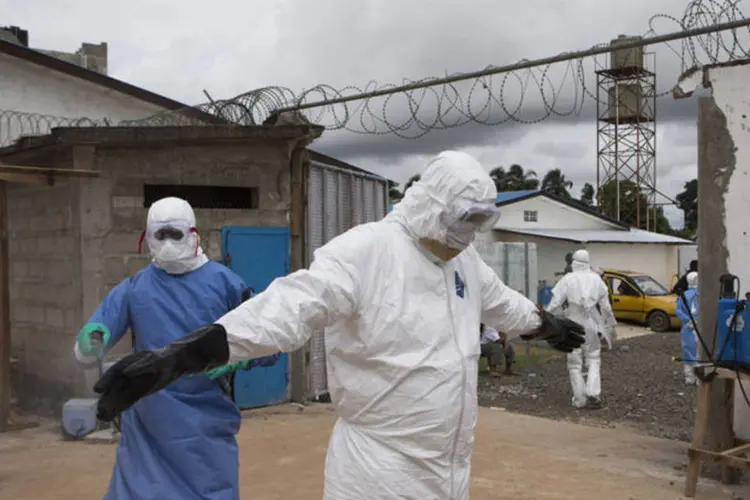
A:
[(93, 339), (226, 369)]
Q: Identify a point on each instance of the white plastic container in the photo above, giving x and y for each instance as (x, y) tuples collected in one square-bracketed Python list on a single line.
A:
[(79, 417)]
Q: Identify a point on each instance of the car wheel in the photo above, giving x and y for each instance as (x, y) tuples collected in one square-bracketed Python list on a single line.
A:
[(658, 321)]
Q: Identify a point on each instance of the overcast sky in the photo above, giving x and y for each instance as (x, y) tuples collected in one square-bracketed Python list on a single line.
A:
[(229, 47)]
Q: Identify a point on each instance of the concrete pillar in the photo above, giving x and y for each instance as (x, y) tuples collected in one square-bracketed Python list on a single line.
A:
[(716, 163), (723, 182)]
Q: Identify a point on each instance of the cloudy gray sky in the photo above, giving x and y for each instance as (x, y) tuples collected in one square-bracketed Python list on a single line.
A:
[(229, 47)]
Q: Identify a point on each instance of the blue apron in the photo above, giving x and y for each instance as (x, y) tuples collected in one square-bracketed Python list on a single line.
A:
[(178, 443)]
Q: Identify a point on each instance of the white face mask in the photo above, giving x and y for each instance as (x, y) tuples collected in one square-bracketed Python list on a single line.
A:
[(461, 233), (460, 240), (170, 250)]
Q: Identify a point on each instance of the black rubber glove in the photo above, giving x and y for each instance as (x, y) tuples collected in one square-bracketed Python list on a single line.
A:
[(142, 373), (562, 334)]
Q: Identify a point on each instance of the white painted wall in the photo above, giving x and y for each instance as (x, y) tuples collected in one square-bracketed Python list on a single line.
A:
[(514, 263), (30, 88), (657, 260), (550, 215), (686, 254), (550, 254)]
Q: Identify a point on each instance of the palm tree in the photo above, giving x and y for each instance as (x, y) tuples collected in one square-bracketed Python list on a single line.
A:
[(520, 180), (555, 183), (514, 179)]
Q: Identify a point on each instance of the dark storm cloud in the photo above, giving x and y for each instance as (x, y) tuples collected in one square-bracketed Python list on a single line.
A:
[(299, 44), (346, 144)]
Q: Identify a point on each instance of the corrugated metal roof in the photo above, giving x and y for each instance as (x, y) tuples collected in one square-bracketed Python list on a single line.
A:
[(505, 196), (602, 236)]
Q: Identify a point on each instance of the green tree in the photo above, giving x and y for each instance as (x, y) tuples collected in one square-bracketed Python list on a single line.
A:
[(587, 195), (414, 178), (498, 176), (393, 192), (555, 183), (630, 199), (687, 201)]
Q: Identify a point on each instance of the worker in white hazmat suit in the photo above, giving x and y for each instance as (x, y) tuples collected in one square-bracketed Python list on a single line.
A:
[(582, 296), (401, 301)]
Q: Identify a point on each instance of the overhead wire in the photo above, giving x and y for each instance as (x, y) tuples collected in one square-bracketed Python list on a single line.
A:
[(710, 32), (525, 92)]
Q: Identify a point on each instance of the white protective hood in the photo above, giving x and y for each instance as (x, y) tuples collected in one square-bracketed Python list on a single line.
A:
[(401, 338), (174, 257), (581, 291), (453, 185)]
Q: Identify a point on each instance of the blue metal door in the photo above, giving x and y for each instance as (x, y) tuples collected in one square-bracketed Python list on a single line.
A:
[(258, 255)]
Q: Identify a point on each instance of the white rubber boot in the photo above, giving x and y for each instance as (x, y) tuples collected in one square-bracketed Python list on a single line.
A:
[(690, 378)]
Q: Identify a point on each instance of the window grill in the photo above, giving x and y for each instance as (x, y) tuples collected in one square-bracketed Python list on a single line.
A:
[(211, 197)]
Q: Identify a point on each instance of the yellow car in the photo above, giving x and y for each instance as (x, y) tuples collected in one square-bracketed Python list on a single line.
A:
[(639, 297)]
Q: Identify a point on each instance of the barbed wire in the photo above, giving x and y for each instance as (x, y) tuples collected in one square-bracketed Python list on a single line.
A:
[(488, 100)]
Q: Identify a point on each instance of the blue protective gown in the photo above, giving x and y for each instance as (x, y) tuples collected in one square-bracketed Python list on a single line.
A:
[(178, 443), (688, 337)]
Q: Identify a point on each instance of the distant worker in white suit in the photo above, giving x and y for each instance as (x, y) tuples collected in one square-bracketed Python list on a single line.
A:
[(582, 296)]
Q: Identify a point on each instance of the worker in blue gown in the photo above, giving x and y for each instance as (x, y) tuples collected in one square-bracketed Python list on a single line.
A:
[(178, 443), (686, 309)]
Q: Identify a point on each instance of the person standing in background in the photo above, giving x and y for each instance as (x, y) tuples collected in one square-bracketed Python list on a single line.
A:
[(497, 349), (682, 284), (687, 310)]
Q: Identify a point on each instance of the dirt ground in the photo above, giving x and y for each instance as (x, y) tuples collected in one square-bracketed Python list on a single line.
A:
[(282, 454), (642, 388)]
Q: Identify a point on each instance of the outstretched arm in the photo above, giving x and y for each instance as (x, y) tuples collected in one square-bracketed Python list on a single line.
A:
[(279, 319), (283, 317), (503, 308), (511, 312)]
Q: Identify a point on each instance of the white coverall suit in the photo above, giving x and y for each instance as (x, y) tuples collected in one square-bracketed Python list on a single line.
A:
[(401, 339), (582, 296)]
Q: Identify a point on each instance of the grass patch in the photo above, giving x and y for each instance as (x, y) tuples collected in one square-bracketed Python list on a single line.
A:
[(537, 355)]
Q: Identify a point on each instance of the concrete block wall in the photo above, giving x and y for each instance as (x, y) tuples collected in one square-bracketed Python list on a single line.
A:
[(45, 290), (113, 216), (71, 243)]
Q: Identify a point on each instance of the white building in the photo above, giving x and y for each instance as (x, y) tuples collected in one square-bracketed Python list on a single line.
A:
[(559, 226), (40, 91)]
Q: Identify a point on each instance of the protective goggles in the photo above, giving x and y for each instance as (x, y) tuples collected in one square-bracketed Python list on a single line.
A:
[(478, 218), (162, 231)]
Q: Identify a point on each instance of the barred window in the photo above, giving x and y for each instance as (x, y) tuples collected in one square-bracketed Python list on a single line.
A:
[(217, 197), (529, 216)]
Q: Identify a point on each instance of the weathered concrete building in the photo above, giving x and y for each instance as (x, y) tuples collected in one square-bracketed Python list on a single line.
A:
[(72, 241), (74, 235)]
